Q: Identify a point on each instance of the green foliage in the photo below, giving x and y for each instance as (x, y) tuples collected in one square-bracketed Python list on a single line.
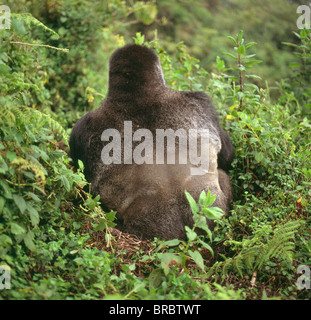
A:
[(205, 25), (88, 30), (201, 212), (297, 91), (242, 91), (255, 253)]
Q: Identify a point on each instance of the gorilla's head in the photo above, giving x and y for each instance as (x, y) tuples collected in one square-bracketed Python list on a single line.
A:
[(134, 69)]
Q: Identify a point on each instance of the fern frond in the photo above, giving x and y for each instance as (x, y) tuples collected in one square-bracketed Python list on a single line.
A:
[(280, 246), (33, 165), (29, 20), (9, 115)]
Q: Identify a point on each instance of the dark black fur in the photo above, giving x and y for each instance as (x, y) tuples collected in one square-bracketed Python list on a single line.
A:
[(149, 198)]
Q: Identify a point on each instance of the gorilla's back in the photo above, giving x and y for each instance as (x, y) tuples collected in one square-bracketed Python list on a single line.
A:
[(131, 152)]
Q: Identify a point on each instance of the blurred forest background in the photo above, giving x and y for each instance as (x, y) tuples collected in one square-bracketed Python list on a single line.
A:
[(91, 32)]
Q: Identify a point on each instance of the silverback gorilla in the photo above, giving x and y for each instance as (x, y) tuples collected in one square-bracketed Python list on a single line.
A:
[(120, 147)]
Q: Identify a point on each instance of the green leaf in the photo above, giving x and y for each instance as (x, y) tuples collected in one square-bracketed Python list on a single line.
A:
[(5, 240), (172, 243), (251, 62), (90, 203), (17, 229), (33, 196), (2, 203), (4, 69), (34, 215), (28, 239), (20, 202), (169, 259), (241, 49), (239, 37), (191, 234), (207, 246), (220, 64), (111, 215), (65, 182), (155, 278), (202, 198), (19, 27), (101, 225), (209, 199), (230, 55), (197, 258), (193, 205), (252, 76), (233, 41), (213, 213), (250, 44), (259, 156), (11, 155), (290, 44)]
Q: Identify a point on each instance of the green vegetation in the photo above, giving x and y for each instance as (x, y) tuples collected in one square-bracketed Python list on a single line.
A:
[(54, 236)]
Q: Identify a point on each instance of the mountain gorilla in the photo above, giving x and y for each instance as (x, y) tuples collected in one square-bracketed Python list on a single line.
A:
[(147, 193)]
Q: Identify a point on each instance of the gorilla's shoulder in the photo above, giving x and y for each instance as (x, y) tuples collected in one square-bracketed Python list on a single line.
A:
[(199, 99), (199, 96), (79, 135)]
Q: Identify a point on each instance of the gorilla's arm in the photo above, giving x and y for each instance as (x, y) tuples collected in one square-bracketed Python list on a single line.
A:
[(226, 153), (79, 140), (225, 156)]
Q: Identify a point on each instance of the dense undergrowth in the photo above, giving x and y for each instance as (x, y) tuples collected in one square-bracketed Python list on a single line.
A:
[(53, 235)]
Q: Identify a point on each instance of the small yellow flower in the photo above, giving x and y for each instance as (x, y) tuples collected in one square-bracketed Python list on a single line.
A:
[(229, 117)]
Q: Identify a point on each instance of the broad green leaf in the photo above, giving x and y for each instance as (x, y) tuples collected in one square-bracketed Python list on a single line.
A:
[(193, 205), (191, 235), (17, 229), (207, 246), (169, 259), (65, 182), (213, 213), (33, 196), (197, 258), (5, 240), (101, 225), (172, 243), (111, 215), (241, 49), (19, 27), (155, 278), (28, 239), (34, 215), (4, 69), (259, 156), (20, 202)]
